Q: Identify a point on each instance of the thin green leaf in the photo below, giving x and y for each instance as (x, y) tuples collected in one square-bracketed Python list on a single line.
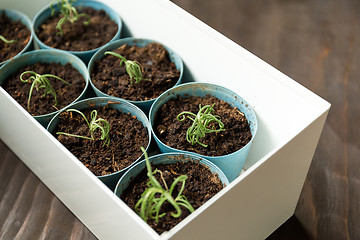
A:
[(2, 38)]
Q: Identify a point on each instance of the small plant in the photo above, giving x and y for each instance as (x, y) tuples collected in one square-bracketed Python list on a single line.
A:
[(133, 68), (201, 121), (41, 81), (149, 205), (94, 124), (2, 38), (68, 12)]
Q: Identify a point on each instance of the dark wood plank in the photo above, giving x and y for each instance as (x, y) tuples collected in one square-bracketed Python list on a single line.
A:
[(28, 209), (292, 229), (316, 43)]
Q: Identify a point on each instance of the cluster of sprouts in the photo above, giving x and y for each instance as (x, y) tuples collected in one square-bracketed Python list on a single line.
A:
[(152, 199), (68, 13), (201, 123)]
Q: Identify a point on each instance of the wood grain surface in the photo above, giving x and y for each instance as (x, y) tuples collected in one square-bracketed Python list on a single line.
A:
[(315, 42), (28, 209)]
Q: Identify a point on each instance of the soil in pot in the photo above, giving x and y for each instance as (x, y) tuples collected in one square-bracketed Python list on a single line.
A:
[(12, 30), (127, 135), (200, 186), (172, 132), (113, 80), (77, 36), (40, 104)]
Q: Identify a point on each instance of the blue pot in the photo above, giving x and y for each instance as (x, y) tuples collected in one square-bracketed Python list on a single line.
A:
[(165, 158), (45, 56), (143, 105), (230, 164), (123, 106), (15, 16), (45, 13)]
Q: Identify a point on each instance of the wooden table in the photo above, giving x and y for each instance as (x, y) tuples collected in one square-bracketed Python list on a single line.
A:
[(314, 42)]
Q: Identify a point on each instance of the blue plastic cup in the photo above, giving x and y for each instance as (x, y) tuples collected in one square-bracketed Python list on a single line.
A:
[(231, 164), (110, 180), (45, 13), (15, 16), (45, 56), (139, 42)]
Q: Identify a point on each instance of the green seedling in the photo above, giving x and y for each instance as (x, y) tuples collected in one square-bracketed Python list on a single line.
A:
[(2, 38), (95, 123), (201, 122), (68, 13), (41, 81), (133, 68), (149, 205)]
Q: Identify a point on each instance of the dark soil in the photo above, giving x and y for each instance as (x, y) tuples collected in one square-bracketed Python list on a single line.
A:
[(39, 103), (172, 132), (113, 80), (77, 36), (127, 135), (12, 31), (200, 186)]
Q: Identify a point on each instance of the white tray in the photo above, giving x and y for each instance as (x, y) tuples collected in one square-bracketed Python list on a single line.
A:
[(290, 120)]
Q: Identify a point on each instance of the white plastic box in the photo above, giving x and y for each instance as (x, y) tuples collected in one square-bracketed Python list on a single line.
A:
[(290, 120)]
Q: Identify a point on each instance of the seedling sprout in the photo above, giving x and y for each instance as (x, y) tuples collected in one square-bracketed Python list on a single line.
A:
[(201, 121), (41, 81), (95, 123), (149, 205), (133, 68), (68, 12)]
